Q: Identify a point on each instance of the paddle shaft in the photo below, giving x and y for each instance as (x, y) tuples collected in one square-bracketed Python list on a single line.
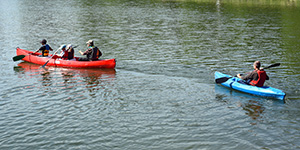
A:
[(273, 65), (50, 58)]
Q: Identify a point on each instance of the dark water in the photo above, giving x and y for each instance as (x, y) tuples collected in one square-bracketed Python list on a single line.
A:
[(162, 93)]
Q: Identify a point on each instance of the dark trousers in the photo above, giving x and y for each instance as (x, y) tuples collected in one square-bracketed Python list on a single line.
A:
[(83, 59), (86, 59)]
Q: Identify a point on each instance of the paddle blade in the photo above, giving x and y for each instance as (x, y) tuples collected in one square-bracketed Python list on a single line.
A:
[(19, 57), (44, 68), (222, 80), (273, 65)]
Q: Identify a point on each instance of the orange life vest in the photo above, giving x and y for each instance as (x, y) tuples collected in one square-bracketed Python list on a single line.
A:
[(45, 52), (96, 53), (262, 76)]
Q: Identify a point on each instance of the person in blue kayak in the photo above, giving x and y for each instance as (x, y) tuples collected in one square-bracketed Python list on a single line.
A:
[(257, 77), (92, 53), (45, 48)]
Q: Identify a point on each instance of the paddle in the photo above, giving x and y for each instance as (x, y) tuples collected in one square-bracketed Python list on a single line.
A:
[(19, 57), (273, 65), (50, 59), (52, 56), (224, 79)]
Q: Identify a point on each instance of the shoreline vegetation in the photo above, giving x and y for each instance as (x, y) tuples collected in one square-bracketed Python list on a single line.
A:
[(289, 3)]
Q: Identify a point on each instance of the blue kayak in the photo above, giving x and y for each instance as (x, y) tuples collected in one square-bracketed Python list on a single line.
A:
[(238, 84)]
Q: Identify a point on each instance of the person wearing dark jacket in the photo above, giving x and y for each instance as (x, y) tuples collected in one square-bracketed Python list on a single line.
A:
[(45, 48), (92, 53), (257, 77)]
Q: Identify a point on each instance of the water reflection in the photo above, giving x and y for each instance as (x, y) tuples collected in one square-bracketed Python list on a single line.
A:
[(68, 78), (253, 108), (46, 78)]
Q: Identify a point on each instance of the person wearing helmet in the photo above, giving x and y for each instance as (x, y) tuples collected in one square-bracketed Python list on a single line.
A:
[(45, 48), (92, 53), (70, 52), (67, 52), (63, 51)]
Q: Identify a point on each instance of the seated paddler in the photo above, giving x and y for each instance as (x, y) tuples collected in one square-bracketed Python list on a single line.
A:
[(67, 52), (45, 48), (257, 77), (92, 53)]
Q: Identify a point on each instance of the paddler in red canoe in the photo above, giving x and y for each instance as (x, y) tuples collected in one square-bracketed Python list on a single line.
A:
[(92, 53), (257, 77), (67, 52), (45, 48)]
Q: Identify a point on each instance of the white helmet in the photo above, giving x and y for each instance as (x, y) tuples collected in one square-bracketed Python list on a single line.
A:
[(69, 46)]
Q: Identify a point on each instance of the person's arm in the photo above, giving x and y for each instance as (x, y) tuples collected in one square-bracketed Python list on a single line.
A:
[(267, 78), (40, 49), (81, 52), (36, 51), (86, 52), (247, 77), (61, 53)]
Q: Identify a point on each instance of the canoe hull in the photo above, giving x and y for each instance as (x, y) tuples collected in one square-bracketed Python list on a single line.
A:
[(57, 62), (265, 91)]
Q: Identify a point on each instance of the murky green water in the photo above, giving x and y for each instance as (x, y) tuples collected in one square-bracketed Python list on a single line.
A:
[(162, 94)]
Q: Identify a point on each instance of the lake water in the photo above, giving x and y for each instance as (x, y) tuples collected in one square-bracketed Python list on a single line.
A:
[(162, 94)]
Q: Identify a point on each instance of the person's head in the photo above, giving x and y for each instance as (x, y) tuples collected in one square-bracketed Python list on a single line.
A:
[(90, 43), (256, 65), (43, 42), (63, 47), (69, 46)]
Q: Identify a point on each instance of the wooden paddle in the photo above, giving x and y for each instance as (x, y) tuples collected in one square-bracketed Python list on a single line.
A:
[(224, 79)]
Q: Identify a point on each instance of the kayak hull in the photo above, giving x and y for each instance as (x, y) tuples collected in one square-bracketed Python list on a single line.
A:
[(237, 84), (58, 62)]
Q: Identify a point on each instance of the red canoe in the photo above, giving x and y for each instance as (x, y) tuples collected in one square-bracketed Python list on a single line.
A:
[(58, 62)]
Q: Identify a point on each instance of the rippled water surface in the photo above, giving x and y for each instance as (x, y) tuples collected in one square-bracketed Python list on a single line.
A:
[(162, 94)]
